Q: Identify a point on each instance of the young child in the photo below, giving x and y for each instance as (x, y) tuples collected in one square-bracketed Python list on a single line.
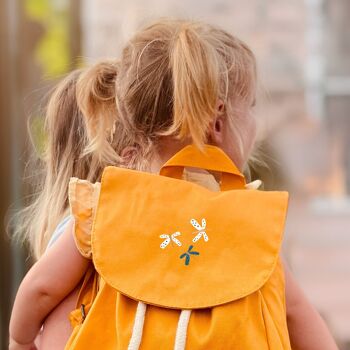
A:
[(177, 83)]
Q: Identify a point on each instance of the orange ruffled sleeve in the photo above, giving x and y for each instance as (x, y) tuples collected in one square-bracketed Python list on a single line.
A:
[(83, 198)]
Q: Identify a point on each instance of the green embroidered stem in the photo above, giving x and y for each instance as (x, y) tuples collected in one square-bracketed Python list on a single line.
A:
[(188, 254)]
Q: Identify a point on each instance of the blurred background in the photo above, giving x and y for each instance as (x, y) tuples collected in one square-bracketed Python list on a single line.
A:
[(303, 52)]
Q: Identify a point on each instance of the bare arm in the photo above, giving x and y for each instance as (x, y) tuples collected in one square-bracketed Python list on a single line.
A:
[(46, 284), (307, 330)]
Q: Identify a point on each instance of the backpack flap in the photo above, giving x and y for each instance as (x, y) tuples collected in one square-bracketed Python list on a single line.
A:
[(175, 244)]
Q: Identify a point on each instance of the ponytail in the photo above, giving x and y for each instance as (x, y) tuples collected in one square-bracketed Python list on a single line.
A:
[(196, 80), (95, 94), (79, 121)]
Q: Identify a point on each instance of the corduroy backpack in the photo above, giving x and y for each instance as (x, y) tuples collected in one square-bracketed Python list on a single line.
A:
[(178, 266)]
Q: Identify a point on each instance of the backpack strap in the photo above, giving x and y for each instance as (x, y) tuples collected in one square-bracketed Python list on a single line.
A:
[(210, 158), (86, 297)]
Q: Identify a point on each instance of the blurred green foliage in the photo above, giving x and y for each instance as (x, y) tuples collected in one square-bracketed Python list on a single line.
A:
[(52, 51)]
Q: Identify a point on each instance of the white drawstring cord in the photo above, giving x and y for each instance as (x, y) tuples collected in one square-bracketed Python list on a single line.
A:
[(181, 331), (137, 330)]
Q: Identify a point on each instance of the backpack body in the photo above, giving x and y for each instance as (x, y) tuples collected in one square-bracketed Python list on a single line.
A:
[(180, 266)]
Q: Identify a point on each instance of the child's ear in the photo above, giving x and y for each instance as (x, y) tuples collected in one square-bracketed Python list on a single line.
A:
[(216, 127), (128, 154), (220, 108)]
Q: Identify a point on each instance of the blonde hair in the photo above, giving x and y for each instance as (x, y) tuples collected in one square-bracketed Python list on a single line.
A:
[(168, 81), (66, 155)]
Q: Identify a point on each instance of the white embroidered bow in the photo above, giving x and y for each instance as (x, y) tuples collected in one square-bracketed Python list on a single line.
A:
[(169, 238), (201, 229)]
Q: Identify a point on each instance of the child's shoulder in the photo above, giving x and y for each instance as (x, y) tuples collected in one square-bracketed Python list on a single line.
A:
[(83, 197)]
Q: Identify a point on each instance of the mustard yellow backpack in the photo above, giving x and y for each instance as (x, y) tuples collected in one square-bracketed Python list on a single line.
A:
[(179, 266)]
